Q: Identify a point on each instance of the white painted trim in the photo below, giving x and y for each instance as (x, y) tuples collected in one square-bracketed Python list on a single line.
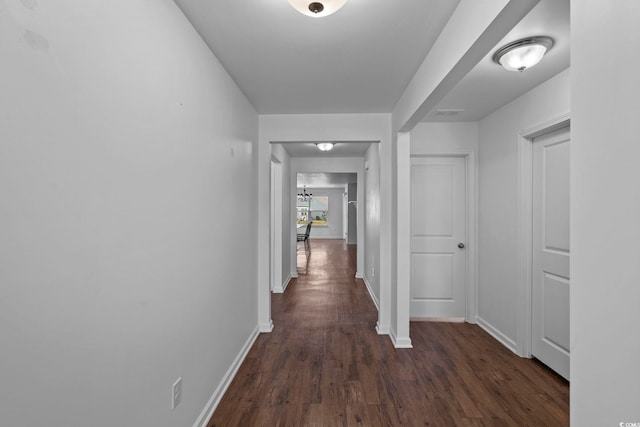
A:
[(276, 226), (359, 275), (471, 172), (438, 319), (213, 402), (525, 224), (294, 274), (280, 289), (495, 333), (327, 238), (380, 330), (399, 342), (371, 294), (266, 327)]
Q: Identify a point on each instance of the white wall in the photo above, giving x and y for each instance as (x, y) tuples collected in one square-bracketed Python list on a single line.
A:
[(283, 157), (333, 229), (605, 208), (125, 263), (352, 213), (498, 201), (372, 207), (428, 138)]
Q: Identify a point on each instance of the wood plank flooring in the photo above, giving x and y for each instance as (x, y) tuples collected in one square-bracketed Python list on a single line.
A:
[(324, 365)]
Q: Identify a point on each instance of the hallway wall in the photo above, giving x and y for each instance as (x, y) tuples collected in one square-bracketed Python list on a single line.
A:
[(605, 207), (281, 154), (498, 201), (372, 221), (125, 263)]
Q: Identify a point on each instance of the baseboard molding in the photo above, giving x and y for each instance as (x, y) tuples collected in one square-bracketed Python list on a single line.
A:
[(294, 274), (286, 283), (280, 289), (359, 275), (266, 327), (399, 342), (207, 412), (326, 238), (437, 319), (381, 330), (495, 333), (371, 294)]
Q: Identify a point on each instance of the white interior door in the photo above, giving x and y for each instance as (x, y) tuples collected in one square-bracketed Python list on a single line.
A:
[(438, 237), (551, 254)]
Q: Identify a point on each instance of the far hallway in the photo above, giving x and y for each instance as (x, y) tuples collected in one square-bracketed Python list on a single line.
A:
[(324, 365)]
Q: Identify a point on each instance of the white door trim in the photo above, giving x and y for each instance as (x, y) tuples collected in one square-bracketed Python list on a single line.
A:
[(277, 284), (525, 224), (471, 222)]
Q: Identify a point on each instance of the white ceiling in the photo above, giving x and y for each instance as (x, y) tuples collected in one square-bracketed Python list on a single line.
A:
[(341, 149), (358, 60), (488, 86), (326, 180)]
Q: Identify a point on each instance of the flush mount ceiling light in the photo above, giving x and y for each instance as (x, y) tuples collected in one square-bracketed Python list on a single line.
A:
[(522, 54), (325, 146), (317, 9)]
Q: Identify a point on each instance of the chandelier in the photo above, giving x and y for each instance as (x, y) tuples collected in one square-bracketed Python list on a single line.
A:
[(304, 196)]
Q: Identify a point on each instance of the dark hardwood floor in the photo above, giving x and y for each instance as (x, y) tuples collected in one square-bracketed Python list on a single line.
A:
[(324, 365)]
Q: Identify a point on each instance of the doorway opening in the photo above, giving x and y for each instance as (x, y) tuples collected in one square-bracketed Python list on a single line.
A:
[(326, 208), (543, 236)]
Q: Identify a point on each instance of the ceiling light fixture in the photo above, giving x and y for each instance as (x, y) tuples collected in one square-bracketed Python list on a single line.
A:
[(522, 54), (304, 196), (317, 9), (325, 146)]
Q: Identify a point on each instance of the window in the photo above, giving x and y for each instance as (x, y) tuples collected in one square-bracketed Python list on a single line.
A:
[(315, 209), (318, 209)]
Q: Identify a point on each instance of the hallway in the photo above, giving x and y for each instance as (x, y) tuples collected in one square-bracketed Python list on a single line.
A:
[(324, 364)]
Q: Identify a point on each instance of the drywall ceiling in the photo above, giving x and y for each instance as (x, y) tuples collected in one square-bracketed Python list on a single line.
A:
[(358, 60), (326, 180), (488, 86), (340, 149)]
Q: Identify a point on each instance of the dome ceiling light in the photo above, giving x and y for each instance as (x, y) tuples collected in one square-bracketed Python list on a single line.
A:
[(317, 9), (522, 54), (325, 146)]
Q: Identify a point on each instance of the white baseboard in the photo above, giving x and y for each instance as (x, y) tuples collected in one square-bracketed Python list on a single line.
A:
[(294, 274), (495, 333), (437, 319), (371, 294), (266, 327), (286, 283), (280, 289), (207, 412), (359, 275), (381, 330), (399, 342)]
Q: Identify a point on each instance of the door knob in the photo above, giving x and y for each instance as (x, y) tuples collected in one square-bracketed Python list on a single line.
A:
[(461, 245)]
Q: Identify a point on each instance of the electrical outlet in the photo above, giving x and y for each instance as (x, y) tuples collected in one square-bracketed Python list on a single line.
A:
[(176, 393)]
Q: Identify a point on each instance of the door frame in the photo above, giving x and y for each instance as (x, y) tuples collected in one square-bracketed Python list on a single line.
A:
[(471, 220), (276, 276), (525, 225)]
